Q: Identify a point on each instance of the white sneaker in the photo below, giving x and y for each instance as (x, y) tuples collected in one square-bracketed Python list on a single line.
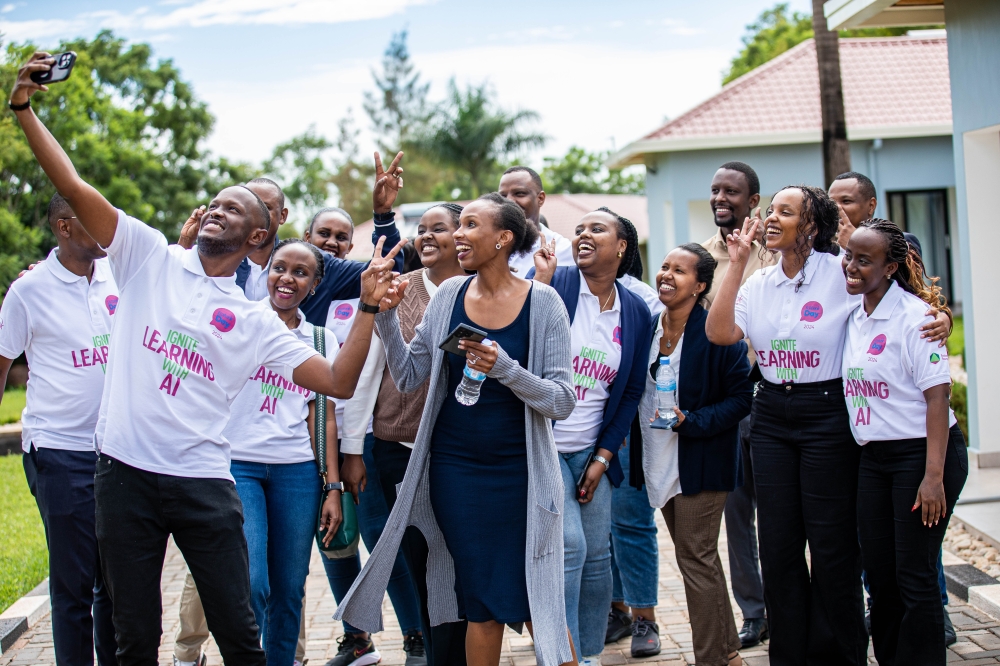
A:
[(594, 660), (202, 661)]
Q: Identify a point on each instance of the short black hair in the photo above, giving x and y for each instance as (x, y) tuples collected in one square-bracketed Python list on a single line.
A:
[(268, 181), (262, 206), (626, 230), (58, 207), (331, 209), (704, 269), (320, 263), (752, 180), (865, 184), (454, 210), (509, 216), (535, 178)]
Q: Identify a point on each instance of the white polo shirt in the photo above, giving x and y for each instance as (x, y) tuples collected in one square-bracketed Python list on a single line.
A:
[(340, 319), (525, 262), (256, 285), (888, 366), (596, 339), (798, 335), (645, 292), (62, 323), (185, 345), (268, 418)]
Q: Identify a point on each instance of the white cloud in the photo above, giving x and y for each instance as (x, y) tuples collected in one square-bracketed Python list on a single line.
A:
[(590, 95), (6, 9), (209, 12)]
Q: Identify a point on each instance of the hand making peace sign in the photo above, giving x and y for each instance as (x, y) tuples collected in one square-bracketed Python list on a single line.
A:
[(739, 242), (388, 183)]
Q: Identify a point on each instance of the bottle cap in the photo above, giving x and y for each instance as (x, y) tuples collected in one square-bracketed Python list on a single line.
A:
[(664, 361)]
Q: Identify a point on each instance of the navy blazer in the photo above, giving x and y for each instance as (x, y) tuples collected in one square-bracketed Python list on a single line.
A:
[(715, 394), (623, 402)]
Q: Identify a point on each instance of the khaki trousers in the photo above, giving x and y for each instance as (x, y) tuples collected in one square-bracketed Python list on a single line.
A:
[(694, 522), (193, 630)]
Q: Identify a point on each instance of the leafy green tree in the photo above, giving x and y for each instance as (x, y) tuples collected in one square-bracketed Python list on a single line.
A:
[(298, 166), (351, 176), (132, 127), (399, 112), (579, 171), (776, 30), (473, 137)]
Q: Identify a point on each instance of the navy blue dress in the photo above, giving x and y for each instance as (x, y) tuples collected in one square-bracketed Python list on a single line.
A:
[(479, 483)]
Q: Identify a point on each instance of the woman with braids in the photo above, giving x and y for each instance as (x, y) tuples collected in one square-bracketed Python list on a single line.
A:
[(805, 460), (691, 469), (913, 458), (483, 483), (274, 464), (610, 327), (395, 418)]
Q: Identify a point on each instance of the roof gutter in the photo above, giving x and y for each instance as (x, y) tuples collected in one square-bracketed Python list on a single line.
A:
[(842, 14), (635, 152)]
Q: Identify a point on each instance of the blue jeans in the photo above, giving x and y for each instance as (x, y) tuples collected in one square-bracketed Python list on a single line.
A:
[(635, 560), (372, 515), (280, 505), (587, 544)]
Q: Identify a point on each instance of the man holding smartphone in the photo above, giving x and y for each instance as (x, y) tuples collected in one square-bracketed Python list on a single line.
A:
[(186, 341)]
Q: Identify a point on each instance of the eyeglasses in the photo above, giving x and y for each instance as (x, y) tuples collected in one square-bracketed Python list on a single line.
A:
[(71, 217)]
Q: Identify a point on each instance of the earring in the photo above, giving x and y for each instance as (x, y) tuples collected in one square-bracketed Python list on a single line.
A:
[(499, 246), (809, 237), (313, 292), (619, 255)]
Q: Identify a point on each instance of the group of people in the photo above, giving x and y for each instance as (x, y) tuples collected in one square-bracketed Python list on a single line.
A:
[(812, 397)]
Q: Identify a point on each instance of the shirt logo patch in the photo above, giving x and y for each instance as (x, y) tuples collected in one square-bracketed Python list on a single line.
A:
[(111, 303), (616, 336), (878, 345), (223, 319), (811, 311), (343, 312), (935, 357)]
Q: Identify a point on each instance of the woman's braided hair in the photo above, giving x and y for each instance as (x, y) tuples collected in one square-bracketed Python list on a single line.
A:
[(320, 263), (821, 212), (910, 267), (453, 209), (626, 231)]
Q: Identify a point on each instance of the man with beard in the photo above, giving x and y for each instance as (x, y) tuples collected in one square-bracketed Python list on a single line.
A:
[(186, 339), (735, 193)]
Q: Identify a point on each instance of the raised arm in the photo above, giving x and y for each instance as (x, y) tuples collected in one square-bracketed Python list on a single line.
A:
[(95, 213), (339, 378), (720, 327)]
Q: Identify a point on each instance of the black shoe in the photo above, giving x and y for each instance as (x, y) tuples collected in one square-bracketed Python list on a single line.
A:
[(355, 650), (754, 631), (413, 646), (619, 626), (645, 638), (950, 637)]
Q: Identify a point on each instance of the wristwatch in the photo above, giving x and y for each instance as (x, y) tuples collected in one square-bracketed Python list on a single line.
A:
[(333, 486), (604, 461), (365, 307)]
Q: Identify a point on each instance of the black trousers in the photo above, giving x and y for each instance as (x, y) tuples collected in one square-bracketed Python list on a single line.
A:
[(805, 464), (62, 483), (900, 554), (136, 512), (445, 643)]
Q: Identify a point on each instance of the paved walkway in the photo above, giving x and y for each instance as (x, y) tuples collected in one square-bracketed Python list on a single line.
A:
[(979, 634)]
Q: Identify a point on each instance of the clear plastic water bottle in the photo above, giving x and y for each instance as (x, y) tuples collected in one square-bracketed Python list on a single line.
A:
[(467, 391), (666, 395)]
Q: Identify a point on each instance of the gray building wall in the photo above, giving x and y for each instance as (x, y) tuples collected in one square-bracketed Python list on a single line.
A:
[(974, 63), (678, 184)]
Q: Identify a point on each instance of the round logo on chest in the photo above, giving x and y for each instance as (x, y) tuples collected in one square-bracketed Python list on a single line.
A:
[(811, 312), (343, 312), (111, 303), (223, 319), (878, 345)]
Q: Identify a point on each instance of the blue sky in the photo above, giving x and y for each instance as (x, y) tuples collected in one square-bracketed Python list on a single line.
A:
[(600, 73)]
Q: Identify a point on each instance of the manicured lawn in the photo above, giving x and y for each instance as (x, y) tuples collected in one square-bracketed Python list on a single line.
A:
[(24, 560), (956, 343), (12, 405)]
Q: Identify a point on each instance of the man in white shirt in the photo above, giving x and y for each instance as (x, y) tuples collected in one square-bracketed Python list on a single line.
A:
[(523, 186), (60, 316), (186, 341)]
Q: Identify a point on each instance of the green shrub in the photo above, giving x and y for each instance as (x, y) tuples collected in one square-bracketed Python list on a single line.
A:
[(960, 405), (24, 559)]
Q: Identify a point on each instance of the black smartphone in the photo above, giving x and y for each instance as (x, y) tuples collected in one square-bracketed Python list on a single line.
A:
[(459, 333), (59, 72), (583, 476)]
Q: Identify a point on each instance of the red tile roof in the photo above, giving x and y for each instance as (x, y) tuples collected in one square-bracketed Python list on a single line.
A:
[(561, 211), (892, 86)]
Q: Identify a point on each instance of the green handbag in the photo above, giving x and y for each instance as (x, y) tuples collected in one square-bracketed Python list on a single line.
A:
[(345, 541)]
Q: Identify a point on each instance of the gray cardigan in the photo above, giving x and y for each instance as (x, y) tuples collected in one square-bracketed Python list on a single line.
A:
[(547, 391)]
